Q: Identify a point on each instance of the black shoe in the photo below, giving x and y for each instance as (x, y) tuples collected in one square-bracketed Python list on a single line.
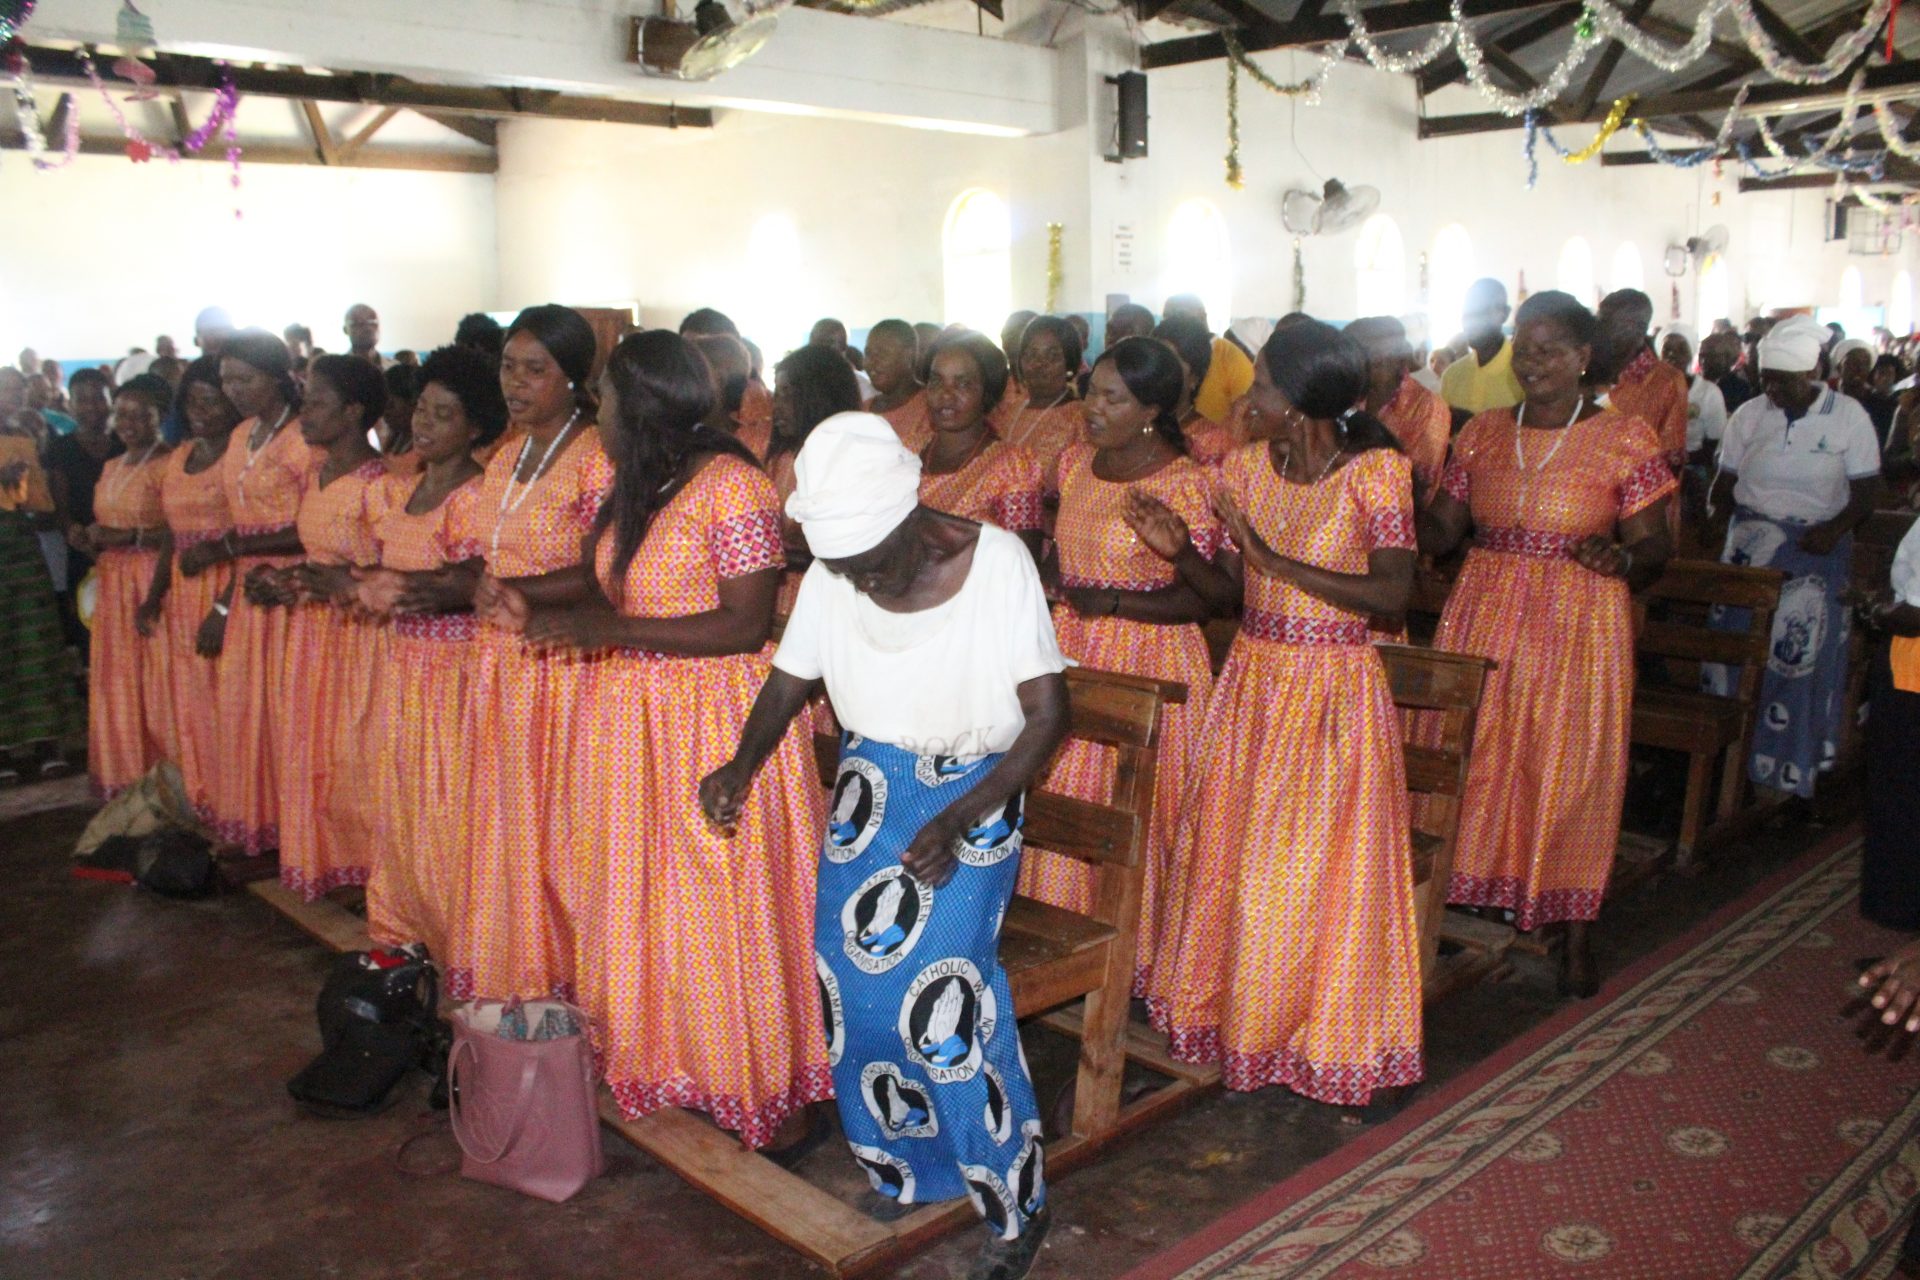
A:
[(884, 1208), (1012, 1259)]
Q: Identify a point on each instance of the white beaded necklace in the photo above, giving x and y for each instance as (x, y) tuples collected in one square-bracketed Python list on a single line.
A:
[(126, 473), (253, 454), (1019, 419), (1519, 452), (508, 502)]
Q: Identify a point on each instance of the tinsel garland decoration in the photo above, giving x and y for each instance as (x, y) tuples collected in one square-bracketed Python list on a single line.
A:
[(1616, 117), (26, 109), (1513, 104), (1299, 277), (1307, 90), (13, 16), (1056, 274), (1890, 134), (1236, 176), (1840, 53)]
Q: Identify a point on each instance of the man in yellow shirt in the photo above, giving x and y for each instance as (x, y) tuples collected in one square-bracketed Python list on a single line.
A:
[(1231, 374), (1483, 378)]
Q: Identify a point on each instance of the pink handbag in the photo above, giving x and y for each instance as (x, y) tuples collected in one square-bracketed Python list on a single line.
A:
[(524, 1111)]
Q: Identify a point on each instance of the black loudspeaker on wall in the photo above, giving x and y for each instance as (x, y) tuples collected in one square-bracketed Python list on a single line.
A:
[(1132, 115)]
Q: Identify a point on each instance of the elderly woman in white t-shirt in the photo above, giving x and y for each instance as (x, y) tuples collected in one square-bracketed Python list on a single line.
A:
[(1799, 469), (933, 638)]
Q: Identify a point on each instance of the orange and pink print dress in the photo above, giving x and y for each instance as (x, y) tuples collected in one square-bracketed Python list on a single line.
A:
[(263, 489), (1541, 813), (423, 758), (1003, 484), (1097, 549), (124, 670), (327, 816), (696, 958), (527, 863), (195, 506), (1289, 948)]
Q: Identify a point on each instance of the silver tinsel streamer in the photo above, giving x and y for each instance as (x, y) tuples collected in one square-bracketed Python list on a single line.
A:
[(1890, 134), (1843, 50), (1514, 104), (1444, 36), (1613, 25)]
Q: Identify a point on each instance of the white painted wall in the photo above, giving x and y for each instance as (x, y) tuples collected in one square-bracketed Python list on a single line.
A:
[(113, 254)]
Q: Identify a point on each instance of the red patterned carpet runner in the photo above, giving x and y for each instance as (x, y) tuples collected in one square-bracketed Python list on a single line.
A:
[(1720, 1115)]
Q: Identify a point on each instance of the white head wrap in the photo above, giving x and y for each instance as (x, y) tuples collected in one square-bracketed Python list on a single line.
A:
[(1252, 330), (1793, 345), (1843, 347), (853, 483)]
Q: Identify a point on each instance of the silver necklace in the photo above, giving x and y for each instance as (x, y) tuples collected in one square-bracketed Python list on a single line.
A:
[(1520, 454), (508, 502), (1020, 418), (253, 454), (126, 473)]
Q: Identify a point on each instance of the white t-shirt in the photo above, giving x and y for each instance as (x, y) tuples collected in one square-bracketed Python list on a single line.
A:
[(1800, 471), (1706, 413), (1905, 578), (942, 681)]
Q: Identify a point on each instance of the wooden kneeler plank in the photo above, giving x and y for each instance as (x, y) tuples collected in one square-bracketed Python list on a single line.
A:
[(327, 921)]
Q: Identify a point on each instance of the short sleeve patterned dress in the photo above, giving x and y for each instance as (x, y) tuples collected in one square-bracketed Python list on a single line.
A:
[(422, 776), (1097, 549), (527, 868), (326, 807), (123, 741), (696, 957), (195, 506), (1289, 949), (263, 488), (1541, 813), (1003, 484)]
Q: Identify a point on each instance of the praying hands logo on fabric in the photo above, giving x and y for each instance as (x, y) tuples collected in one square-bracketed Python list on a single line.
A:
[(932, 771), (997, 1115), (859, 807), (898, 1105), (1800, 627), (891, 1176), (988, 1191), (947, 1015), (883, 919), (1026, 1176), (994, 837)]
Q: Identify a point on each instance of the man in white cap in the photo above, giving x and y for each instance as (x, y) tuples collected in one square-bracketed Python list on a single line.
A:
[(1799, 472), (934, 641)]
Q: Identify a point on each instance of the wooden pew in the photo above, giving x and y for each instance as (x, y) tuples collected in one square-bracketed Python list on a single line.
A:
[(1874, 545), (1446, 687), (1669, 709)]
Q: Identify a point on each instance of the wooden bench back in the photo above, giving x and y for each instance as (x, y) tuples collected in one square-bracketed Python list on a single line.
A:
[(1680, 632), (1120, 712)]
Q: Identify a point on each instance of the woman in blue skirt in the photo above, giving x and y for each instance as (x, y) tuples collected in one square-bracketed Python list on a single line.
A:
[(934, 641)]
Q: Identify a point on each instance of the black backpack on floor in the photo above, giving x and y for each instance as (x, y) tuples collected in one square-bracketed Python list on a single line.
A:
[(378, 1020)]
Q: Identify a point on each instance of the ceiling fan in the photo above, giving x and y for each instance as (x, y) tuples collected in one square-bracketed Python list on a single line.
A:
[(714, 42)]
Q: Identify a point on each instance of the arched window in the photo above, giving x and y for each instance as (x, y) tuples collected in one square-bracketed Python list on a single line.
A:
[(1899, 305), (1449, 276), (773, 317), (1852, 290), (1714, 297), (1200, 259), (1627, 272), (1575, 272), (1380, 269), (979, 266)]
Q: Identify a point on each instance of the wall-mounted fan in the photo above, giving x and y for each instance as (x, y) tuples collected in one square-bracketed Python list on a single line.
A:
[(1712, 241), (1335, 209), (715, 41)]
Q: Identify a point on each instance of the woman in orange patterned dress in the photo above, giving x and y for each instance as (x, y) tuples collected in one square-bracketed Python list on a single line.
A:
[(1050, 419), (263, 479), (422, 765), (530, 869), (1207, 441), (809, 386), (123, 742), (967, 471), (1289, 949), (326, 816), (1419, 419), (696, 959), (893, 365), (1123, 608), (1567, 502), (179, 615)]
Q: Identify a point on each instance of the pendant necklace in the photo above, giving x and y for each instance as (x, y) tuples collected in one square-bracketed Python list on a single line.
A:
[(508, 502)]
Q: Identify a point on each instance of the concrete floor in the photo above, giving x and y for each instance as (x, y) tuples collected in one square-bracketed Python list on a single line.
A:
[(145, 1129)]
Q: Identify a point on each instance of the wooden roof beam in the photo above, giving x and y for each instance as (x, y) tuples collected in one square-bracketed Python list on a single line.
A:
[(322, 136), (1449, 69), (1890, 83), (1386, 19)]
